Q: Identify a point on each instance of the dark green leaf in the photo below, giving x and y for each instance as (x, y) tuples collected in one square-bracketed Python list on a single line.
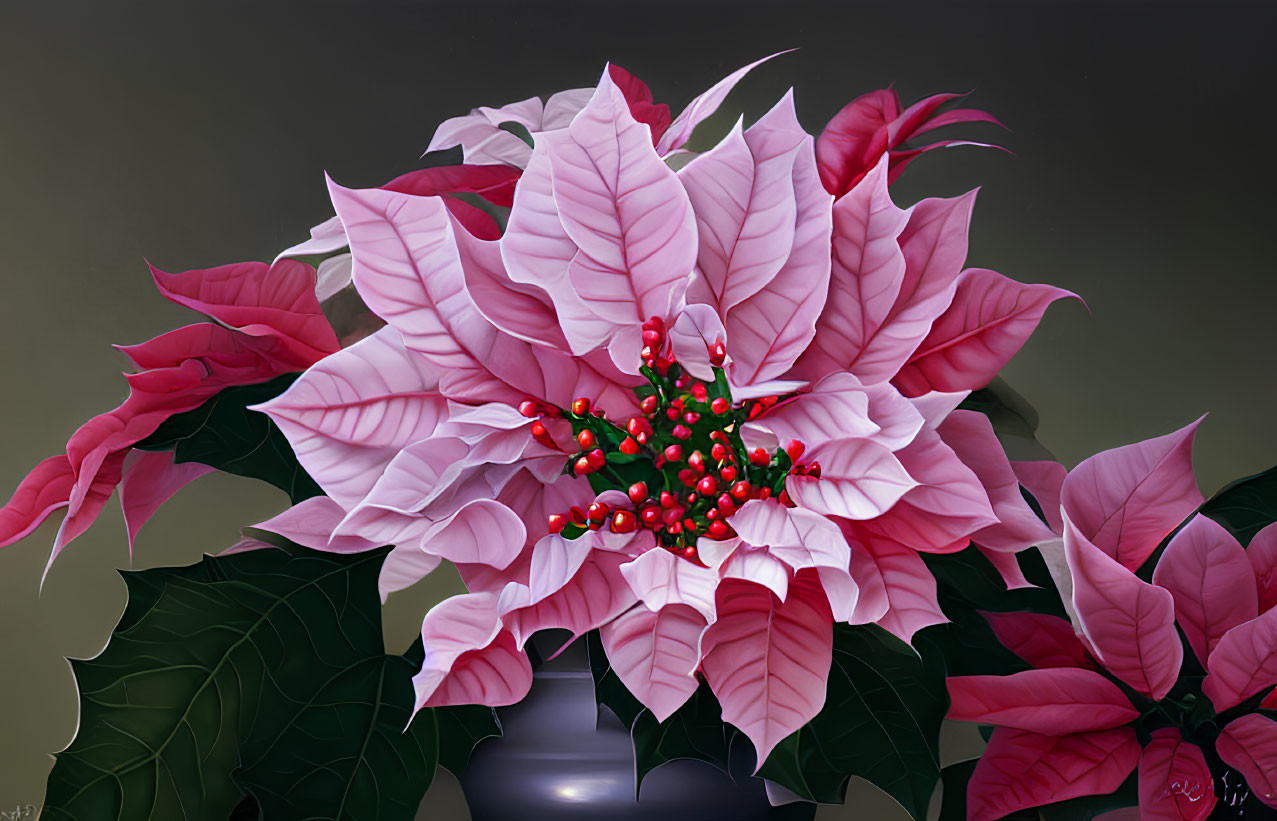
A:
[(258, 675), (881, 721), (461, 728), (1087, 807), (1246, 506), (519, 130), (222, 433)]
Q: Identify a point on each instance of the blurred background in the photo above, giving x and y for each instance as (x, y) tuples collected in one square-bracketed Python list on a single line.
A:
[(1141, 179)]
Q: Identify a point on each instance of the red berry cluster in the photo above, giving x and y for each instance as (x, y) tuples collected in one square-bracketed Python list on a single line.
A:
[(681, 461)]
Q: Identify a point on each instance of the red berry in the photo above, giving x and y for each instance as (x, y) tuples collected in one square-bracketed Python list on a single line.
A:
[(699, 393), (651, 515), (681, 432), (648, 404), (689, 553), (672, 413), (765, 493), (707, 486), (726, 504), (586, 439), (598, 511), (637, 492), (719, 436), (623, 521), (687, 476), (783, 498), (813, 470), (628, 446), (581, 466), (717, 354), (712, 513), (667, 499), (647, 353), (674, 453), (675, 528), (718, 530), (795, 450), (596, 458), (768, 401), (529, 408), (689, 525), (720, 405), (557, 522), (759, 458), (696, 461), (581, 406), (755, 410), (642, 438), (691, 417), (577, 514), (741, 491), (651, 336), (728, 473), (654, 323), (718, 453)]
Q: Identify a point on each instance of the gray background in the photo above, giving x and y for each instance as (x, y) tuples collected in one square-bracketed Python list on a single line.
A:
[(198, 136)]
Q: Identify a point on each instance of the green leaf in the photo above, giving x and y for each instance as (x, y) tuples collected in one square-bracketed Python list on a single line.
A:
[(1246, 506), (461, 728), (695, 731), (881, 721), (260, 675), (224, 434), (519, 130)]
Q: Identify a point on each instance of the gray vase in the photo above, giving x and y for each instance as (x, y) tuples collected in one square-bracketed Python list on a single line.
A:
[(562, 758)]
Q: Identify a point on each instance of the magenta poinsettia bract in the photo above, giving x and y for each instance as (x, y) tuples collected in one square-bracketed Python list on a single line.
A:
[(707, 411), (1110, 693)]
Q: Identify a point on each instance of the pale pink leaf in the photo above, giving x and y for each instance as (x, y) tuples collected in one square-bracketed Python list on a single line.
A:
[(1243, 663), (767, 661), (707, 103), (328, 236), (946, 506), (770, 329), (660, 579), (1212, 582), (349, 415), (989, 319), (910, 589), (403, 567), (859, 480), (1008, 568), (868, 269), (1249, 745), (1126, 500), (470, 658), (745, 216), (148, 481), (836, 407), (625, 210), (655, 654), (1019, 769), (1128, 623), (934, 245), (1051, 701), (311, 522), (594, 596), (971, 437), (482, 531), (1040, 639), (1174, 783), (759, 566), (799, 538), (521, 310)]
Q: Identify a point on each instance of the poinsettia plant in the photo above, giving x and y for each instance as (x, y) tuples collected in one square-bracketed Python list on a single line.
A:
[(724, 414)]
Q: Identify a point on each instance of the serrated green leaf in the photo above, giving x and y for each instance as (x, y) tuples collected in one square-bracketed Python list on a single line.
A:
[(224, 434), (258, 674), (461, 728), (881, 721)]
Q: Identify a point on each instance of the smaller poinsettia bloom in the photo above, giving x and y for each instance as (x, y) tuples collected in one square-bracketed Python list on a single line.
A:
[(1204, 584), (623, 415), (268, 323)]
